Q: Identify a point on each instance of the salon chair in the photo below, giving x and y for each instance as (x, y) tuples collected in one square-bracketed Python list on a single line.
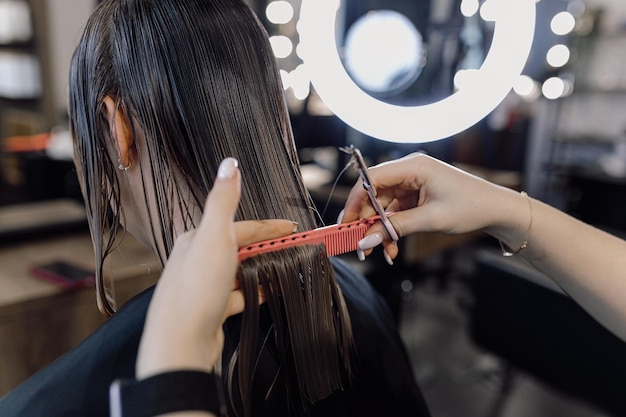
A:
[(524, 318)]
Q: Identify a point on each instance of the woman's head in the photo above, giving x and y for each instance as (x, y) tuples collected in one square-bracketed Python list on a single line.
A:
[(192, 82), (168, 88)]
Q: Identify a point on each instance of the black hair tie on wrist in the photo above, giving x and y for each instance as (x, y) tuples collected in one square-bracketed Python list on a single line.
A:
[(167, 393)]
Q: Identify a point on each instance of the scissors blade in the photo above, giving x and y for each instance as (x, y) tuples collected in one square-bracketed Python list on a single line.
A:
[(371, 191)]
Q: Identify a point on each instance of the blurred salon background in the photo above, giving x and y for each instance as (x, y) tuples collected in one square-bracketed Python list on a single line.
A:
[(488, 336)]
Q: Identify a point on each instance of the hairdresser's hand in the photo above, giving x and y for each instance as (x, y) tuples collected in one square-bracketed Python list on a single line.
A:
[(428, 195), (197, 290)]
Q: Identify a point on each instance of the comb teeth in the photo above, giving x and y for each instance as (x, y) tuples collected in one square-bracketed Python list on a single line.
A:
[(345, 240)]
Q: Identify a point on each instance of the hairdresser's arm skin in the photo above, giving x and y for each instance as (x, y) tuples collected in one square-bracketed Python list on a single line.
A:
[(429, 195), (196, 291)]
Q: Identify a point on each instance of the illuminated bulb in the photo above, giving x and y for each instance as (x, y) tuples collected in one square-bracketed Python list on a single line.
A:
[(568, 87), (463, 78), (558, 56), (491, 9), (562, 23), (553, 88), (15, 21), (576, 7), (300, 82), (301, 91), (300, 73), (469, 7), (284, 77), (300, 51), (279, 12), (524, 86), (281, 45)]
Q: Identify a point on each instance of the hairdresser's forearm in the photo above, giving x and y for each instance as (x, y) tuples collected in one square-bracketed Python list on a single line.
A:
[(587, 263), (170, 344)]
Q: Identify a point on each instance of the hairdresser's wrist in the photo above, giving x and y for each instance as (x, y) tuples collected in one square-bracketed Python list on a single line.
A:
[(181, 393), (509, 217)]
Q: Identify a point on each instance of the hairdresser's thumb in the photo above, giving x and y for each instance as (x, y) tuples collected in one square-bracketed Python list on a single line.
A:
[(223, 199)]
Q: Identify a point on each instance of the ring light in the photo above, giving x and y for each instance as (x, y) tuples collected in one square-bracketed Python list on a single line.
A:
[(485, 89)]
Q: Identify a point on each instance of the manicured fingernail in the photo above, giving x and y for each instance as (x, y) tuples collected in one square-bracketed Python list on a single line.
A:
[(340, 216), (371, 241), (227, 168), (295, 227), (360, 254), (387, 258)]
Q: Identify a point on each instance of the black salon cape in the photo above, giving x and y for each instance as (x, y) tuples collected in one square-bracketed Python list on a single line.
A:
[(77, 383)]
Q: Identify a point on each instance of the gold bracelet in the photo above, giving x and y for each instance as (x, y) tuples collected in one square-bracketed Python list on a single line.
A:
[(508, 252)]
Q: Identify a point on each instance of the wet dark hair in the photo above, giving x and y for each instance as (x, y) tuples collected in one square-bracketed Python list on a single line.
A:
[(197, 79)]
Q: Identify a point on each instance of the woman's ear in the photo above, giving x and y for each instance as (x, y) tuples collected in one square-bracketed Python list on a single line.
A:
[(121, 132)]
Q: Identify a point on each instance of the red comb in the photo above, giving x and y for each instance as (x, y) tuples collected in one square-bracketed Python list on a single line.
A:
[(338, 239)]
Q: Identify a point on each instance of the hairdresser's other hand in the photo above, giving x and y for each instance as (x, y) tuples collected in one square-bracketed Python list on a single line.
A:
[(428, 195), (196, 291)]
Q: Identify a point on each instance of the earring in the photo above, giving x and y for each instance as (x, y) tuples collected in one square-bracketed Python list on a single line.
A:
[(121, 166)]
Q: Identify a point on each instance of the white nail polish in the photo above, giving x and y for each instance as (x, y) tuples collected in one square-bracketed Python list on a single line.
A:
[(227, 168), (340, 216), (371, 241), (387, 258), (360, 254)]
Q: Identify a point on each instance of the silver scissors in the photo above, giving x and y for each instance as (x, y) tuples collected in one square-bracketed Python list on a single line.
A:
[(357, 157)]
